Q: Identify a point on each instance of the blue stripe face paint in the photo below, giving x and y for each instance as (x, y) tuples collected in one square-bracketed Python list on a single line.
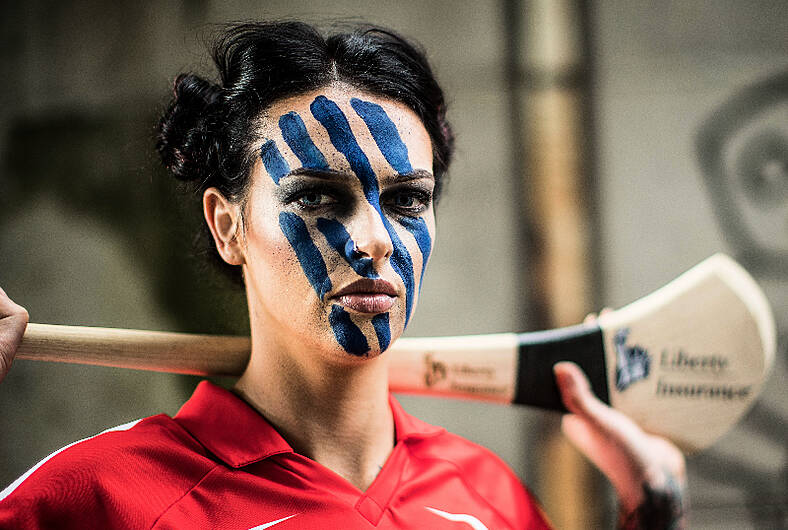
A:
[(296, 223), (296, 232), (388, 140), (339, 239), (382, 330), (348, 335), (418, 227), (273, 161), (331, 117), (385, 134), (295, 134)]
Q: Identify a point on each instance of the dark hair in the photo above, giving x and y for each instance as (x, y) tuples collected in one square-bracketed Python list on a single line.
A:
[(205, 135)]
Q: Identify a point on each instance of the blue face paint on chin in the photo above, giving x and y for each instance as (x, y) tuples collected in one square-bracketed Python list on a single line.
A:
[(382, 330), (346, 332), (332, 118), (339, 239), (296, 232)]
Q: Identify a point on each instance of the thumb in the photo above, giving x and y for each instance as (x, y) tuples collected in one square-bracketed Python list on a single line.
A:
[(580, 400), (576, 391), (605, 436), (627, 455)]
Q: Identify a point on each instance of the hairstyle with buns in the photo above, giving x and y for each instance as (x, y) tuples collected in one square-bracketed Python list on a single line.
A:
[(205, 136)]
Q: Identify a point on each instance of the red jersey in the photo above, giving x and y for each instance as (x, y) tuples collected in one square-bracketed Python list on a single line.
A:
[(220, 464)]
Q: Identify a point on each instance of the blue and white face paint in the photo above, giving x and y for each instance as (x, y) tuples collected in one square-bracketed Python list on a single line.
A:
[(352, 185)]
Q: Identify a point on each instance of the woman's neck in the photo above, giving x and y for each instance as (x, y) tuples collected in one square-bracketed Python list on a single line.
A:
[(332, 412)]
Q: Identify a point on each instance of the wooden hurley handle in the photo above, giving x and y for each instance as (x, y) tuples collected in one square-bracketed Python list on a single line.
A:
[(715, 310), (483, 366), (684, 362), (158, 351)]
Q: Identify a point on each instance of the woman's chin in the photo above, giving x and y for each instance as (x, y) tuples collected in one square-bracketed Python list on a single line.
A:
[(365, 340), (361, 354), (363, 334)]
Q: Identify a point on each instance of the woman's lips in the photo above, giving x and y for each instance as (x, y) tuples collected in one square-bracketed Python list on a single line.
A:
[(367, 296), (367, 302)]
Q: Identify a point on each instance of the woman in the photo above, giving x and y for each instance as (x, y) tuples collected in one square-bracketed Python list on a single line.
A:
[(319, 162)]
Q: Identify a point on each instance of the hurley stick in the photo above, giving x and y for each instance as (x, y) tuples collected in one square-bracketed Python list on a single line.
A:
[(684, 362)]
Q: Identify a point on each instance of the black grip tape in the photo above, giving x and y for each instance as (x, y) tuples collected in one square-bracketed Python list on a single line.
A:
[(539, 351)]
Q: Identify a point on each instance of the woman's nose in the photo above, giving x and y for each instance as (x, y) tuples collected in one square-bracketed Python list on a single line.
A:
[(369, 233)]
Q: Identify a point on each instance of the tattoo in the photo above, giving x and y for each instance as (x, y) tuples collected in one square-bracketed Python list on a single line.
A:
[(663, 508)]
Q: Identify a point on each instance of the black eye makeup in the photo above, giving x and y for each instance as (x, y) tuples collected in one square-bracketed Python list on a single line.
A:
[(312, 195), (321, 192), (313, 199), (410, 198)]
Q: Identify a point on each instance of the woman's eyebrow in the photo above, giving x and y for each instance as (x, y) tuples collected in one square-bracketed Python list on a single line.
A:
[(411, 175), (330, 174), (325, 174)]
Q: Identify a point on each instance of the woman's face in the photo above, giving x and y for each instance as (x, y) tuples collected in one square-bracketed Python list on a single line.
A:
[(338, 223)]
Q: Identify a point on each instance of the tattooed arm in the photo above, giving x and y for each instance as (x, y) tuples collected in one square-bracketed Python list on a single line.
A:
[(648, 472)]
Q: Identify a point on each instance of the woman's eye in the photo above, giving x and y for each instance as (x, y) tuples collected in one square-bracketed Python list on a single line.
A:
[(409, 202), (404, 200), (312, 199)]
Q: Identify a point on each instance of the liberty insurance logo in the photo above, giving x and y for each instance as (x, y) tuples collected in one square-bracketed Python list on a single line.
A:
[(633, 363), (435, 371)]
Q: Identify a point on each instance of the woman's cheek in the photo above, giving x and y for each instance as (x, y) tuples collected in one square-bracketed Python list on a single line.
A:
[(306, 250), (270, 260), (418, 229)]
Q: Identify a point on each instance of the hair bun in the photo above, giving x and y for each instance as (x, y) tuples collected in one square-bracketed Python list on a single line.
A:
[(185, 141)]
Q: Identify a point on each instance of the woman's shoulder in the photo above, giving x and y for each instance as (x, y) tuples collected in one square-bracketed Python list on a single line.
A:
[(132, 470), (482, 472), (473, 459), (430, 443), (449, 461)]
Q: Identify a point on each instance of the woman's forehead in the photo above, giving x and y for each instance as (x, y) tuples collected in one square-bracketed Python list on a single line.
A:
[(352, 112)]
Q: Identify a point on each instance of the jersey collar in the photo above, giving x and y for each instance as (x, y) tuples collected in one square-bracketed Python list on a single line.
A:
[(407, 427), (237, 434)]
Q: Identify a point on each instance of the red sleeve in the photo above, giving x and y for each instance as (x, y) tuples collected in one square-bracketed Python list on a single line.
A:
[(123, 478)]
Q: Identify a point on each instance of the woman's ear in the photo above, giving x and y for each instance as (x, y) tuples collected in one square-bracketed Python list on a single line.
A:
[(224, 221)]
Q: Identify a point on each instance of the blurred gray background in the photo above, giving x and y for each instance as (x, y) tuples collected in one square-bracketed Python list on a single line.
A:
[(92, 233)]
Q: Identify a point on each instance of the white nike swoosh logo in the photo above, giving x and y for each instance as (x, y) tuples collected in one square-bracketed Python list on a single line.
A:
[(470, 520), (272, 523)]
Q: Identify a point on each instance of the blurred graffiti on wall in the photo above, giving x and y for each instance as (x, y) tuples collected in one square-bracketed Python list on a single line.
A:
[(743, 152), (742, 148)]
